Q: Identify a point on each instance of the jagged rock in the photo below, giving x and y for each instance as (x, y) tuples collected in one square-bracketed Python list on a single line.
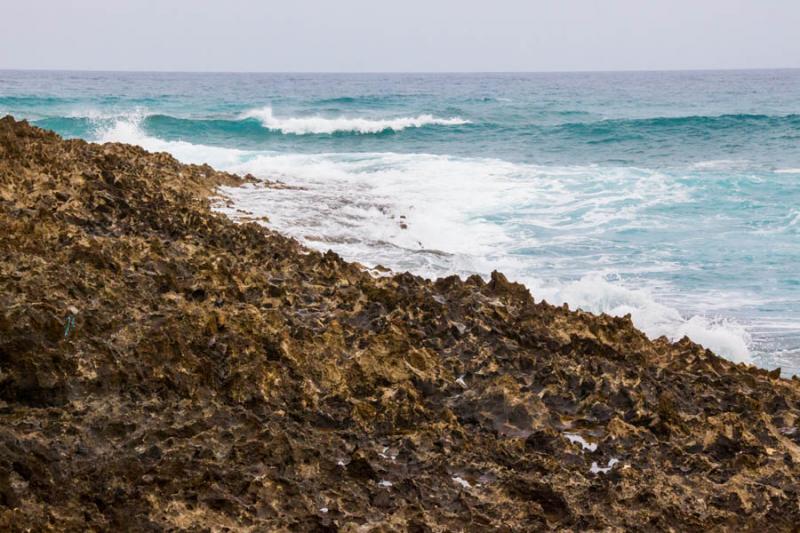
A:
[(162, 367)]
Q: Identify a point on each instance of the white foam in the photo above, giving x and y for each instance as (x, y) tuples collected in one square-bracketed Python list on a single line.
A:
[(722, 164), (787, 171), (723, 336), (437, 215), (317, 124), (594, 293)]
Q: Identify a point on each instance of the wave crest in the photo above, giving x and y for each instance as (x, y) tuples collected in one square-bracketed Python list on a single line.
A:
[(323, 125)]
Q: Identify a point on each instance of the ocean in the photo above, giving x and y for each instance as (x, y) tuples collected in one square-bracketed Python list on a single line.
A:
[(672, 196)]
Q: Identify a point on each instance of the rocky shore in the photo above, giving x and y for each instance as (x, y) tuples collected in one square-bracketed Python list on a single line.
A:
[(165, 368)]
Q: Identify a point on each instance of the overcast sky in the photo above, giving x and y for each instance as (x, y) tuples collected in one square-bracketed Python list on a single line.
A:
[(399, 35)]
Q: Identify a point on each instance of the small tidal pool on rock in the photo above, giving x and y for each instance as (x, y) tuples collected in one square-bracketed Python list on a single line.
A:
[(220, 376)]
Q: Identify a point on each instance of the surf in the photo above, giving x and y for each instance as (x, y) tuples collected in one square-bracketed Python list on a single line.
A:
[(432, 215), (672, 201), (317, 124)]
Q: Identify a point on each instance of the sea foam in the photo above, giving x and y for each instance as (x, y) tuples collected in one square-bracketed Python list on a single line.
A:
[(319, 125)]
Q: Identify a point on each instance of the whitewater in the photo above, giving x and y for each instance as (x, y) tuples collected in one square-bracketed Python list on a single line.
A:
[(670, 197), (356, 203), (318, 124)]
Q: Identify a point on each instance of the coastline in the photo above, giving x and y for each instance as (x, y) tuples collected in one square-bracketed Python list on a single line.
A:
[(221, 375), (613, 209)]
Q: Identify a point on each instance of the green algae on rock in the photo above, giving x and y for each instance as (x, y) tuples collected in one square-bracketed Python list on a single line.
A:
[(219, 376)]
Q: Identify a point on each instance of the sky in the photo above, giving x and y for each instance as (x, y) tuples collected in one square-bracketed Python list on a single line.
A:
[(399, 35)]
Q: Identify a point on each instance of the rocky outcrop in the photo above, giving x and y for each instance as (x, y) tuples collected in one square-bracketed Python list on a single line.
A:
[(162, 367)]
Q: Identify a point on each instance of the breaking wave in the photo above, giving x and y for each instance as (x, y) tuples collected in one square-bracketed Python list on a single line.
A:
[(324, 125), (435, 215), (432, 215)]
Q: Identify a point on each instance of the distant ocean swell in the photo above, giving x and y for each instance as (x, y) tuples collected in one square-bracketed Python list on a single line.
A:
[(258, 125), (255, 121), (319, 124), (458, 216)]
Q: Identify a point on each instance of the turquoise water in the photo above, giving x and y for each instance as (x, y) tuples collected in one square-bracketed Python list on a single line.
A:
[(674, 196)]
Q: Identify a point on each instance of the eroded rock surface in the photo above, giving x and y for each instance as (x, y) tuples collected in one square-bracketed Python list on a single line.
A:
[(162, 367)]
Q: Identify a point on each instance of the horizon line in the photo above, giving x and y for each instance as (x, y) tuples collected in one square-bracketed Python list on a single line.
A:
[(445, 72)]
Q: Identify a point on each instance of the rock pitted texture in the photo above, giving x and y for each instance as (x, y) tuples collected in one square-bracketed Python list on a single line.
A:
[(162, 367)]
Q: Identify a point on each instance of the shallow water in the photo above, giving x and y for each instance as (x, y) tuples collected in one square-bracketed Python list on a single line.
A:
[(671, 196)]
